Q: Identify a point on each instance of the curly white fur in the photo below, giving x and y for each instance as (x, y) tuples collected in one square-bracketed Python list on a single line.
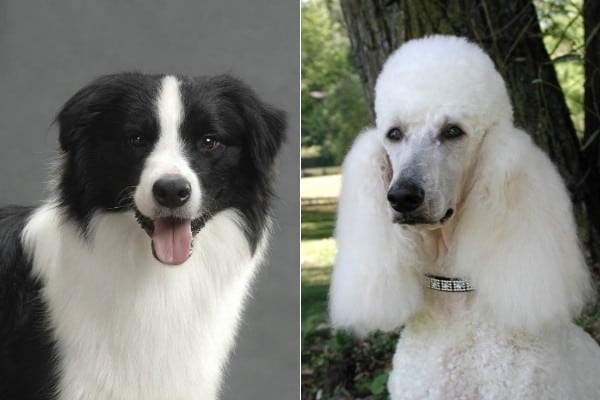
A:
[(512, 233)]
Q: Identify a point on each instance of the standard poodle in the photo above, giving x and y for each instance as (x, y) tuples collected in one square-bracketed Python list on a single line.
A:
[(453, 224)]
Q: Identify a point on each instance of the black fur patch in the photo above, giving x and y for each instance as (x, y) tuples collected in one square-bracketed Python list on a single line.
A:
[(27, 351), (100, 167)]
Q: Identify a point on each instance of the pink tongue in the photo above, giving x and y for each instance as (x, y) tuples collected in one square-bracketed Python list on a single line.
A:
[(172, 240)]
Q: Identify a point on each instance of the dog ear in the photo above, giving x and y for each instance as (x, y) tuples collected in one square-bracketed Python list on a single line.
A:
[(84, 106), (516, 238), (374, 284), (265, 124), (268, 134)]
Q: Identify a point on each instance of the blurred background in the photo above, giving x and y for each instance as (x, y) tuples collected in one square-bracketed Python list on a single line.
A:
[(48, 50), (548, 51)]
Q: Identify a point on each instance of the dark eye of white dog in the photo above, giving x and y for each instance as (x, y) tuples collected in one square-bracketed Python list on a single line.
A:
[(208, 143), (452, 132), (394, 134)]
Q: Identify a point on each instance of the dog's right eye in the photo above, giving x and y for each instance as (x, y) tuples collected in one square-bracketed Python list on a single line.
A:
[(136, 141), (394, 134), (452, 132)]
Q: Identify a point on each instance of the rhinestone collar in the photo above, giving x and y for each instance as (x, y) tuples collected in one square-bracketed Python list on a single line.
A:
[(443, 284)]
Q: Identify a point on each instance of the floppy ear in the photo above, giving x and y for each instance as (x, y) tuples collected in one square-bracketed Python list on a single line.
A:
[(265, 124), (516, 238), (268, 134), (85, 105), (375, 284)]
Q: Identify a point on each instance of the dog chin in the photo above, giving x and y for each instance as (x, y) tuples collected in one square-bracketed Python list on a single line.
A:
[(171, 237), (405, 220), (420, 219)]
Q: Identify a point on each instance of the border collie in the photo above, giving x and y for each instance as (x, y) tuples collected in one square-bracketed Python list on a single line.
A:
[(155, 171)]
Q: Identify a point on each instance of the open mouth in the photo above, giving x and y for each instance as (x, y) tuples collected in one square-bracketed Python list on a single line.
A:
[(171, 237)]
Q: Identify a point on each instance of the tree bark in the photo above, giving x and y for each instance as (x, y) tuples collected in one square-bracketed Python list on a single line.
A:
[(591, 137), (509, 32)]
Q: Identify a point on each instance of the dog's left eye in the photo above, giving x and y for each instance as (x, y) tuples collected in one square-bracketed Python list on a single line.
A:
[(208, 143), (452, 132), (394, 134)]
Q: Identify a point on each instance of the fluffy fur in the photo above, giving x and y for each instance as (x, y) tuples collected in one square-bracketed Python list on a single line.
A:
[(89, 308), (494, 210)]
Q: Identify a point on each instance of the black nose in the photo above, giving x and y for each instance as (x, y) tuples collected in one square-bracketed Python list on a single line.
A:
[(405, 196), (171, 191)]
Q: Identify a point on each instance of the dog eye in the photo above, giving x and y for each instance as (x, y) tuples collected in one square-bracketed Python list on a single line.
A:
[(452, 132), (394, 134), (137, 140), (208, 143)]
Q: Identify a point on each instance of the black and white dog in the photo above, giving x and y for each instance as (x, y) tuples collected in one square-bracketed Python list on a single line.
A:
[(154, 171)]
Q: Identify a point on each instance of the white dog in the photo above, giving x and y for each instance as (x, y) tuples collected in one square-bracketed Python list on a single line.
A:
[(455, 225)]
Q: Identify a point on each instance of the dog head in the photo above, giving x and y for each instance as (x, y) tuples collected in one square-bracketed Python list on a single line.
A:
[(436, 98), (445, 141), (173, 150)]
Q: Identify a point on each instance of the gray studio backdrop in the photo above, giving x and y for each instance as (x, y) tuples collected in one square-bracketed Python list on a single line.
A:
[(49, 49)]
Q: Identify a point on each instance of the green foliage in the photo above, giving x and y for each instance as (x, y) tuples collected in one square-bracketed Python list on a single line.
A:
[(562, 30), (336, 363), (333, 105), (378, 384)]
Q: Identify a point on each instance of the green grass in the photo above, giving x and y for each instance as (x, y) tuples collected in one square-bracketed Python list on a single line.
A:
[(318, 252), (314, 307), (317, 225), (334, 364)]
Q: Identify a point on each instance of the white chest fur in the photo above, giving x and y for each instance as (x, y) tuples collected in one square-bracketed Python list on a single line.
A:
[(468, 358), (128, 327)]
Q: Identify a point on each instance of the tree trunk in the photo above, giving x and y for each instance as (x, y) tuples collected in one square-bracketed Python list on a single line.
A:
[(591, 137), (509, 32)]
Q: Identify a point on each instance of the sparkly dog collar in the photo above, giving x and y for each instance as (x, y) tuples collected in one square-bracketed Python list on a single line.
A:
[(443, 284)]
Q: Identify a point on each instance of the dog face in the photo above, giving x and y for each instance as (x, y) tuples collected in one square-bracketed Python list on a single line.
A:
[(174, 151), (432, 114), (429, 163)]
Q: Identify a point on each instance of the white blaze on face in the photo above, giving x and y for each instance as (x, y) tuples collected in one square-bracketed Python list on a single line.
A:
[(172, 237), (170, 115)]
